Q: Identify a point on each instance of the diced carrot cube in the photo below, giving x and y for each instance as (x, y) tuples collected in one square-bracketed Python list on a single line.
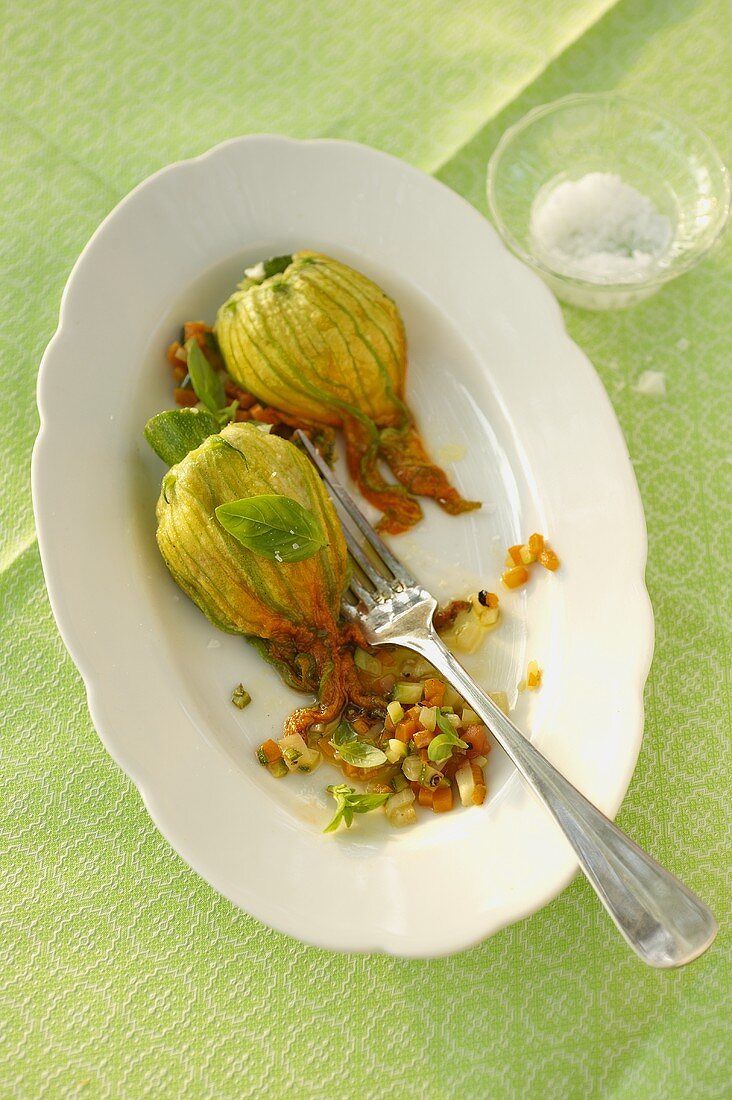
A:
[(361, 726), (549, 559), (185, 397), (406, 729), (271, 750), (171, 356), (514, 553), (514, 578), (479, 793), (415, 787), (475, 737), (242, 415), (422, 738), (491, 599), (434, 692), (195, 330), (442, 800), (536, 544), (425, 796)]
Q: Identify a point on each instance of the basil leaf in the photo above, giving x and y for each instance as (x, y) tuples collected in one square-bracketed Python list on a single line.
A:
[(343, 734), (208, 387), (364, 803), (444, 722), (276, 527), (339, 793), (440, 747), (348, 803), (172, 434), (361, 755)]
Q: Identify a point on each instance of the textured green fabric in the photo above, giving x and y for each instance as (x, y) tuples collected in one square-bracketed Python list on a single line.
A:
[(124, 975)]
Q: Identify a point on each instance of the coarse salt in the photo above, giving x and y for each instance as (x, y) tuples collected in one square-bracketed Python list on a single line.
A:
[(598, 228)]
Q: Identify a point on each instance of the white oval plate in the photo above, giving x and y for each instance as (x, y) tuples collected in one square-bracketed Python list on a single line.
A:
[(492, 371)]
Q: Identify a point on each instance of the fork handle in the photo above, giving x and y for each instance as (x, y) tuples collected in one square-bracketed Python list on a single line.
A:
[(662, 920)]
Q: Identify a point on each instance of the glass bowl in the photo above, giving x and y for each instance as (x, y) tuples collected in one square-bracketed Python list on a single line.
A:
[(665, 157)]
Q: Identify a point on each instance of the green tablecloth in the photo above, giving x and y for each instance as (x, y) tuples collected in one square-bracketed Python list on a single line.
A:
[(124, 975)]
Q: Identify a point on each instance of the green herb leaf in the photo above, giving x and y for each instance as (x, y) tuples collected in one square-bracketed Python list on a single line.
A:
[(348, 803), (172, 434), (360, 754), (344, 734), (441, 747), (208, 387), (276, 527), (444, 723)]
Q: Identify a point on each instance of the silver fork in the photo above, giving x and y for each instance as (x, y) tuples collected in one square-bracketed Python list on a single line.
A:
[(663, 921)]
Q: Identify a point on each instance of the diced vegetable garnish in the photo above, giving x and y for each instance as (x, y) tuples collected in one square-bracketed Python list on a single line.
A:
[(395, 750), (395, 711), (366, 662), (465, 784), (533, 675), (296, 754), (408, 693), (240, 697), (548, 559), (428, 718), (442, 800), (515, 577)]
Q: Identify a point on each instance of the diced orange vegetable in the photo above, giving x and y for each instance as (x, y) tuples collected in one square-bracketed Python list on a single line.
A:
[(195, 330), (388, 724), (415, 787), (185, 397), (406, 729), (326, 748), (475, 737), (451, 766), (264, 415), (179, 372), (171, 356), (242, 415), (479, 793), (422, 738), (478, 777), (514, 553), (442, 800), (533, 675), (536, 544), (514, 578), (434, 693), (425, 796), (548, 559), (361, 726), (491, 599), (271, 750)]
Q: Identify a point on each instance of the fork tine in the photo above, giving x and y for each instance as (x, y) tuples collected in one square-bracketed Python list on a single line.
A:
[(349, 505), (361, 593), (380, 582)]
